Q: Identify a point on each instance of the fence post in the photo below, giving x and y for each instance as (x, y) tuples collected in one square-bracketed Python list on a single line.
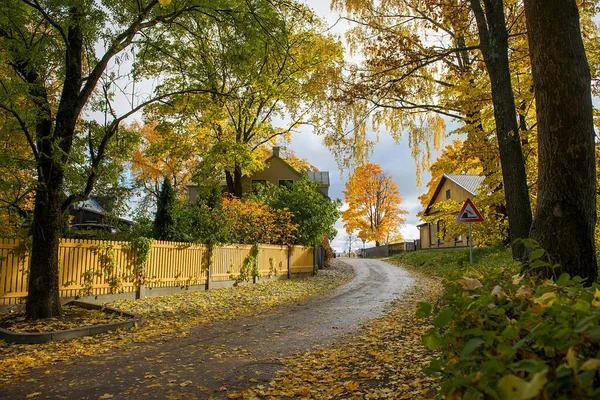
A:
[(289, 259), (209, 260), (255, 271)]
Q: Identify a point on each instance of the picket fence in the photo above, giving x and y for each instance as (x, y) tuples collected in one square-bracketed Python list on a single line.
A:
[(95, 267)]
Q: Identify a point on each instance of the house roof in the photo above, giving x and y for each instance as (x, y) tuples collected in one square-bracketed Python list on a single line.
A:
[(321, 177), (94, 206), (90, 205), (469, 182)]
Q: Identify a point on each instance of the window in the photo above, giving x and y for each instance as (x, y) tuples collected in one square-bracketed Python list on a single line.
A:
[(442, 231), (448, 194), (459, 238), (286, 182)]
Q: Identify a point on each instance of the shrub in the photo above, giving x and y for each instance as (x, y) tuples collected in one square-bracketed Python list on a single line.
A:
[(503, 335)]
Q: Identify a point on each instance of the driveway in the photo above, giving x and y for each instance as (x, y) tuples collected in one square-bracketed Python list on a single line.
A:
[(217, 359)]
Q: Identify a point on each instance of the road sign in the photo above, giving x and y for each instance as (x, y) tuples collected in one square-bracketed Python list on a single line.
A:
[(469, 213)]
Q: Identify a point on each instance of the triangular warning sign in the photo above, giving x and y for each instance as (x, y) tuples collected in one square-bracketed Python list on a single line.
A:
[(469, 213)]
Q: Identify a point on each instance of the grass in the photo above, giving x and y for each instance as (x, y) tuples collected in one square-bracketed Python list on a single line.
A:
[(454, 263)]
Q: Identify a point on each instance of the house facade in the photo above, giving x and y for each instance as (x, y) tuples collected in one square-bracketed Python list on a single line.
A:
[(457, 187), (95, 214), (277, 172)]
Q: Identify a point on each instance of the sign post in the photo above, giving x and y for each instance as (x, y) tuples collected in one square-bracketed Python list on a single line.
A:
[(469, 213)]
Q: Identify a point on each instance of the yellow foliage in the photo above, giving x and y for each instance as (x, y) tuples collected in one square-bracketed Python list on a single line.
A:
[(373, 204)]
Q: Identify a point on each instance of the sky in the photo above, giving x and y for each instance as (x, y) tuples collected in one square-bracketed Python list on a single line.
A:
[(394, 158)]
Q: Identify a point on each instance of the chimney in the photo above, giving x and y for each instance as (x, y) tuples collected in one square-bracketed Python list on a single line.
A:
[(275, 151)]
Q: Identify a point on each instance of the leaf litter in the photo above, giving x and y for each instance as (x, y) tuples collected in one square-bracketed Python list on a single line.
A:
[(384, 362), (72, 317), (165, 317)]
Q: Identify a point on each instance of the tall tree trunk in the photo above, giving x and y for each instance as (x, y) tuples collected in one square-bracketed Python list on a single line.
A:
[(494, 47), (42, 299), (565, 216), (54, 146)]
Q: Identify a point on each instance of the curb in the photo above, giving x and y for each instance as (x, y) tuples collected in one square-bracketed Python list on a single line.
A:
[(68, 334)]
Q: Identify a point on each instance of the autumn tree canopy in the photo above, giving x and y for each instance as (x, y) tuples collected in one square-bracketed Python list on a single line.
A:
[(374, 204), (262, 89), (463, 60), (64, 65)]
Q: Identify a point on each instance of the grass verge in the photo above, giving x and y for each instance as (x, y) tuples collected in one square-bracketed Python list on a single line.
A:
[(503, 335)]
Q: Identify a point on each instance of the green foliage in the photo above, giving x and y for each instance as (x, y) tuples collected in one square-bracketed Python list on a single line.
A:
[(249, 268), (141, 247), (164, 221), (314, 214), (518, 337)]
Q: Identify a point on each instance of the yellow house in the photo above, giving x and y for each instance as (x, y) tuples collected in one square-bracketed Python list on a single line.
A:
[(278, 172), (457, 187)]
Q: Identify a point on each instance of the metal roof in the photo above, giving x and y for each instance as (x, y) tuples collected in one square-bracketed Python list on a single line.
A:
[(470, 183), (94, 206), (90, 205), (321, 177)]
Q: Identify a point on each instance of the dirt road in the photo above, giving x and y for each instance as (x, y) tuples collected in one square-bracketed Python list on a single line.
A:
[(217, 359)]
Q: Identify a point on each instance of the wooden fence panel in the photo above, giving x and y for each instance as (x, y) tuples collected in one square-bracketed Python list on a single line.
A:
[(93, 267), (228, 261), (173, 264), (272, 260), (14, 265), (302, 259)]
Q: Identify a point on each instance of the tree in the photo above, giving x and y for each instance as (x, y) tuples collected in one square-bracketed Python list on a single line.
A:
[(373, 204), (412, 81), (61, 63), (164, 149), (314, 214), (263, 87), (164, 220), (493, 43), (253, 221), (565, 215)]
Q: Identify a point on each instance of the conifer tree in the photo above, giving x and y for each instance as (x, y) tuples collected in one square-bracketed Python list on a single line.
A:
[(164, 221)]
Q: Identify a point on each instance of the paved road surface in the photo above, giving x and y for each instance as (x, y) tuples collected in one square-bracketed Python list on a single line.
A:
[(226, 356)]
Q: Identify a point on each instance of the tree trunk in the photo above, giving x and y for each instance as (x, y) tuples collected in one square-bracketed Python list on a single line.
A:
[(494, 47), (54, 147), (42, 299), (565, 216)]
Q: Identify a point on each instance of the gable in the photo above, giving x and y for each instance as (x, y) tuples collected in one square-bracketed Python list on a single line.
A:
[(459, 187), (276, 169)]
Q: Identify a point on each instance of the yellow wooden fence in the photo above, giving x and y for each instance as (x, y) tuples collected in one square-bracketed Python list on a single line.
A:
[(93, 267)]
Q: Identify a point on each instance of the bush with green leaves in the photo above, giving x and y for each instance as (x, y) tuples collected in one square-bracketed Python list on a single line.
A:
[(503, 335), (314, 214)]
